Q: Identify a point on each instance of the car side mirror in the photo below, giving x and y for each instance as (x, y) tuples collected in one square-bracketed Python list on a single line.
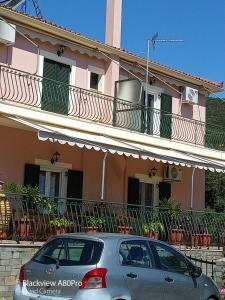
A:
[(196, 272)]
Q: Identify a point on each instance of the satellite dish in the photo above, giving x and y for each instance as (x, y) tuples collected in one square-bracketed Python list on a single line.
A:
[(13, 3)]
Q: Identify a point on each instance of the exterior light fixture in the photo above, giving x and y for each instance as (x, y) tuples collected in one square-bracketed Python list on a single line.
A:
[(55, 157), (152, 172), (61, 50)]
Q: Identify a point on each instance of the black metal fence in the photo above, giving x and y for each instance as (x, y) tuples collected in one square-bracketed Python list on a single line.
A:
[(22, 218), (49, 95), (207, 266)]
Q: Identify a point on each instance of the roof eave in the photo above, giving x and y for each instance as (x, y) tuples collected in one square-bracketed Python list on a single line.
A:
[(49, 29)]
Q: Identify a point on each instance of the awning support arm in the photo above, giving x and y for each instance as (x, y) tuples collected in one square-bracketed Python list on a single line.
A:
[(192, 186), (103, 175)]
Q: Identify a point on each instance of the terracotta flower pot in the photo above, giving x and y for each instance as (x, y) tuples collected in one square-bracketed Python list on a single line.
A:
[(206, 239), (195, 241), (177, 236), (153, 235), (59, 230), (91, 229), (124, 229)]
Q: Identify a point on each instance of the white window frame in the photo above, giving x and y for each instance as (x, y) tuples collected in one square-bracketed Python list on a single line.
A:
[(99, 71), (60, 59), (151, 180), (58, 167)]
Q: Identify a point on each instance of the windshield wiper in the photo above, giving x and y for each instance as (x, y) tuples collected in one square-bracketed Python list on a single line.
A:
[(56, 261)]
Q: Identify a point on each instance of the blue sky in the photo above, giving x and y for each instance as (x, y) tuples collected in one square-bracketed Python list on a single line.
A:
[(200, 23)]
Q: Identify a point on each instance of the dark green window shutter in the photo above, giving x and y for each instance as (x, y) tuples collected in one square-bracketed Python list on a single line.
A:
[(166, 118), (75, 184), (133, 191), (164, 190), (55, 87), (31, 175)]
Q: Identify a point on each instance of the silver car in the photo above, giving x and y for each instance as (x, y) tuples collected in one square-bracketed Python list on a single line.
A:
[(111, 267)]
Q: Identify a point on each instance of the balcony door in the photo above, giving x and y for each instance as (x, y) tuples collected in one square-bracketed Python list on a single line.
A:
[(148, 113), (142, 192), (55, 87)]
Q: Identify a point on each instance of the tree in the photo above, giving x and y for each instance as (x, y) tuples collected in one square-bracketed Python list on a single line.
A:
[(215, 138)]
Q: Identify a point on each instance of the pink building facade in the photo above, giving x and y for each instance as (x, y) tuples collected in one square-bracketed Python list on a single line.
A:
[(45, 87)]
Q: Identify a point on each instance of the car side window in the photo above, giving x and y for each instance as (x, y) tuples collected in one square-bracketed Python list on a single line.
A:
[(170, 260), (135, 254)]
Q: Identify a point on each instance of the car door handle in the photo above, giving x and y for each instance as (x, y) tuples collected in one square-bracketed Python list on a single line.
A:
[(168, 279), (132, 275)]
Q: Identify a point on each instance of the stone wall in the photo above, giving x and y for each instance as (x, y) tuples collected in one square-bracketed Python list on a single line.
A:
[(11, 259)]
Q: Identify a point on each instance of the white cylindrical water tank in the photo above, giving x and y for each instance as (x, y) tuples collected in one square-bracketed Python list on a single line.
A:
[(7, 33)]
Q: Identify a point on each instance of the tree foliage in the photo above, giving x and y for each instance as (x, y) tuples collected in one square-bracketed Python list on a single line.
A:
[(215, 182)]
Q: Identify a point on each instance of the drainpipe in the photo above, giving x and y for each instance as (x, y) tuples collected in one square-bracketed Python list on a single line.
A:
[(103, 175), (192, 187)]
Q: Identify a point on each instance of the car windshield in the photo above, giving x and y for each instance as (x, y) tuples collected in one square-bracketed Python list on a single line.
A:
[(70, 252)]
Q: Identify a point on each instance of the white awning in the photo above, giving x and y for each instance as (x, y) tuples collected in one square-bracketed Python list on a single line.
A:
[(120, 147)]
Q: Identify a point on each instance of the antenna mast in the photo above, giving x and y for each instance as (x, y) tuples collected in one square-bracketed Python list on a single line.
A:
[(22, 5)]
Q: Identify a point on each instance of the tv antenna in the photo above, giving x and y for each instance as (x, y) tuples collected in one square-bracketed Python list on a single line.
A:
[(22, 5), (153, 40)]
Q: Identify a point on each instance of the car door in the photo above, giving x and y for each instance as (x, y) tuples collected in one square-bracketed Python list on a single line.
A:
[(177, 283), (137, 265)]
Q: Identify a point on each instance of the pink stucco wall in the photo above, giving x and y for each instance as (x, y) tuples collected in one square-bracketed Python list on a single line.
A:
[(23, 56), (20, 147)]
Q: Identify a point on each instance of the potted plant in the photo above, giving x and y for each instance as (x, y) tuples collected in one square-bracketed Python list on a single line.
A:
[(95, 224), (173, 210), (124, 224), (30, 209), (59, 225), (153, 229)]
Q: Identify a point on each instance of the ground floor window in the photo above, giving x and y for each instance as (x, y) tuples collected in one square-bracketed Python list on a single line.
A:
[(147, 193), (50, 183)]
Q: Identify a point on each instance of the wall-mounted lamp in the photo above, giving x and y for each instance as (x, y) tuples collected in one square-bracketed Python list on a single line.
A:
[(61, 50), (153, 172), (55, 157)]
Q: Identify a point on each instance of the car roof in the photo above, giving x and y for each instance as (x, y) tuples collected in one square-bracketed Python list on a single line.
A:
[(103, 236)]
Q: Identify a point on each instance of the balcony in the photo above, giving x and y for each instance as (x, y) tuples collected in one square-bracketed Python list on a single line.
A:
[(26, 218), (44, 94)]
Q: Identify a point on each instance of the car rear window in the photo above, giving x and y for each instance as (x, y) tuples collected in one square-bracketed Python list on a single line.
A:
[(70, 252)]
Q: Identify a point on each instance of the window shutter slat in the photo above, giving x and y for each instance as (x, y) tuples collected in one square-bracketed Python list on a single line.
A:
[(55, 96), (133, 191), (166, 118), (75, 184), (31, 175)]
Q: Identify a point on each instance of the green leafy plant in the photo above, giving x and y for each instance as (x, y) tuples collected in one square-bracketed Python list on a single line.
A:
[(172, 208), (60, 222), (153, 227), (31, 193), (98, 222)]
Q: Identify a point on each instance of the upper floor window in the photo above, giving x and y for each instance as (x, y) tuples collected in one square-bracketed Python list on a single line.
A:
[(96, 79)]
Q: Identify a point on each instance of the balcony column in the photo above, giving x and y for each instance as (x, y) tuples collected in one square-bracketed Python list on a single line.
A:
[(103, 176), (192, 187)]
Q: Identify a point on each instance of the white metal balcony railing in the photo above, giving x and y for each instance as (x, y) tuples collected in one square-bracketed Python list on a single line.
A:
[(34, 91)]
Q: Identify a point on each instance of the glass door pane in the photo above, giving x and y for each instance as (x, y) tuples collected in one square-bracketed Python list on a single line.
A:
[(54, 185), (146, 194), (42, 182)]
